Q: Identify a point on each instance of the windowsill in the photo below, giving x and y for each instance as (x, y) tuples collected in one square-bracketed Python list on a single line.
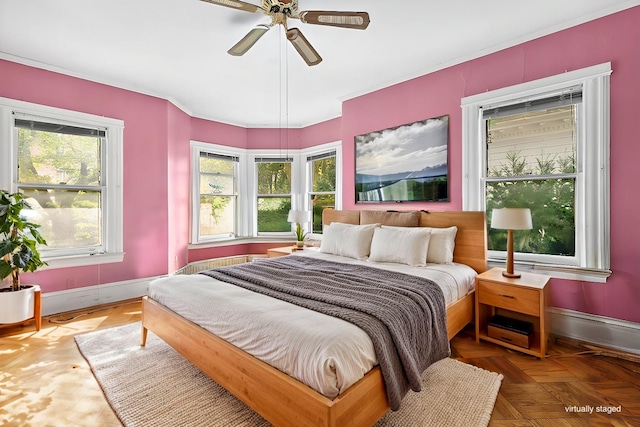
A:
[(82, 260), (558, 271), (242, 241)]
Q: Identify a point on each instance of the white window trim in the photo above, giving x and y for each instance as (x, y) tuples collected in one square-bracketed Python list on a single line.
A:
[(196, 148), (247, 190), (253, 190), (113, 194), (593, 257)]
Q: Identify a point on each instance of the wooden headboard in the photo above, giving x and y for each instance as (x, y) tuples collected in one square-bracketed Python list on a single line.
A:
[(471, 239)]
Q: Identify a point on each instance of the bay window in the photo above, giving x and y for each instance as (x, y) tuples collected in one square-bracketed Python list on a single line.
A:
[(240, 194)]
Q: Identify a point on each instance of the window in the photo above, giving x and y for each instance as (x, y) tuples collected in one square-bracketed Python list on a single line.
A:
[(217, 201), (239, 193), (273, 184), (321, 170), (544, 145), (69, 166), (531, 162), (216, 188)]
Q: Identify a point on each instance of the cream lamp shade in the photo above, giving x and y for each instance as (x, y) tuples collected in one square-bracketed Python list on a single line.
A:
[(511, 219), (299, 217)]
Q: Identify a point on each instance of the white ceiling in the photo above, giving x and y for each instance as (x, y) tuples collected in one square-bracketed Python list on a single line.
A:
[(176, 49)]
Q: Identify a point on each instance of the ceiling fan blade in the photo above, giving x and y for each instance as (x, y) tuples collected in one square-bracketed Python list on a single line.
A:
[(236, 4), (356, 20), (249, 40), (304, 48)]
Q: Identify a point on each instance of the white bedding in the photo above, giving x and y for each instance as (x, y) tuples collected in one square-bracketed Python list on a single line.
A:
[(326, 353)]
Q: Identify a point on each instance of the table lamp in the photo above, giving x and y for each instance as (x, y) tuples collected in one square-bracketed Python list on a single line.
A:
[(299, 217), (511, 219)]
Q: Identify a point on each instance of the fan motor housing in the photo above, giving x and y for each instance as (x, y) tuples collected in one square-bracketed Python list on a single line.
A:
[(286, 7)]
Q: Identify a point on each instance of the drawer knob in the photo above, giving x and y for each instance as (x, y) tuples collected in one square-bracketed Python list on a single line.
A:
[(507, 296)]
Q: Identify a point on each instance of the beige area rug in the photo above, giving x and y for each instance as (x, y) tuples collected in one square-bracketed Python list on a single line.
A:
[(154, 386)]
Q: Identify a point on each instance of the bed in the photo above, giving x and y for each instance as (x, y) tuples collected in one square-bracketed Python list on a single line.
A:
[(284, 400)]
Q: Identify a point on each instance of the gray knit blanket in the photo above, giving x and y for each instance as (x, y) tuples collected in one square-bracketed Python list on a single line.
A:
[(404, 315)]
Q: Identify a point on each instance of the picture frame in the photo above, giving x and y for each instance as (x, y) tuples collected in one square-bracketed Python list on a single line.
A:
[(407, 163)]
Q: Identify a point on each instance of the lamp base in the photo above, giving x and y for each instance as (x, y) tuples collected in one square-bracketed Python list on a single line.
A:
[(511, 275)]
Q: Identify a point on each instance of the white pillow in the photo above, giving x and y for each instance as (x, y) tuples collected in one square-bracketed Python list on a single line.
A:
[(402, 245), (353, 241), (441, 245)]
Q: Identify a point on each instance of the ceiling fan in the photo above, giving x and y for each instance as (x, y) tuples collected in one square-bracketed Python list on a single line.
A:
[(280, 10)]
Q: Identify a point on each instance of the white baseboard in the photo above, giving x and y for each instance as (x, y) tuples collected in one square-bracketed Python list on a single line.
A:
[(75, 299), (613, 333)]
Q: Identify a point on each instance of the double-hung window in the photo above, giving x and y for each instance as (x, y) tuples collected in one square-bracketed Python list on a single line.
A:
[(321, 181), (69, 165), (531, 162), (217, 195), (274, 194), (216, 186), (543, 145)]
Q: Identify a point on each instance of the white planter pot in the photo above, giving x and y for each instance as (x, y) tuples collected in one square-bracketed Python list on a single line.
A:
[(17, 306)]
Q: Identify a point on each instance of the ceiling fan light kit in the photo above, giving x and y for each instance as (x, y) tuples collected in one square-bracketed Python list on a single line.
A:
[(279, 11)]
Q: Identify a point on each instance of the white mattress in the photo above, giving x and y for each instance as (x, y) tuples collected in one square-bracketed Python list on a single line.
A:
[(326, 353)]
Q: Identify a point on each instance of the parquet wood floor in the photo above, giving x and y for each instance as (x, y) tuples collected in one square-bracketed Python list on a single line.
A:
[(44, 381)]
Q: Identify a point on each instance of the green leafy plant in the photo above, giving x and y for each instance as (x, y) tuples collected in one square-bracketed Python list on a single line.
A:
[(300, 234), (18, 239)]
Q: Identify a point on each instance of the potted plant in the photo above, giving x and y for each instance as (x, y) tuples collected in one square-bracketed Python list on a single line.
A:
[(300, 235), (18, 253), (299, 217)]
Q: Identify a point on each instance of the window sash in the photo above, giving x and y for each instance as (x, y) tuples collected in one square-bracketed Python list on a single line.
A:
[(73, 247), (198, 234), (315, 225), (286, 228), (570, 96)]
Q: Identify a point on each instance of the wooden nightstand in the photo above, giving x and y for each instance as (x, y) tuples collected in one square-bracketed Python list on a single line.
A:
[(276, 252), (524, 298)]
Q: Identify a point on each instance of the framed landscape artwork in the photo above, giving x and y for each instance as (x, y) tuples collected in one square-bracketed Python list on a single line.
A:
[(408, 163)]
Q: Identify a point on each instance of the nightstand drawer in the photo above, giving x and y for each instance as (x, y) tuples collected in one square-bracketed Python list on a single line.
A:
[(521, 340), (509, 297)]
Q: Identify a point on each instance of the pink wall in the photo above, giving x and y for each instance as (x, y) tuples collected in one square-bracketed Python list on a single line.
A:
[(218, 133), (145, 169), (156, 171), (178, 172), (156, 151), (615, 38), (322, 133)]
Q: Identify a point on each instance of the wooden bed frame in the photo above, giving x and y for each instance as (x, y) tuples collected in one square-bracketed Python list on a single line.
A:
[(282, 400)]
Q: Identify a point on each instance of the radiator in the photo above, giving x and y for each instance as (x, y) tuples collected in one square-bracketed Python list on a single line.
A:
[(208, 264)]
